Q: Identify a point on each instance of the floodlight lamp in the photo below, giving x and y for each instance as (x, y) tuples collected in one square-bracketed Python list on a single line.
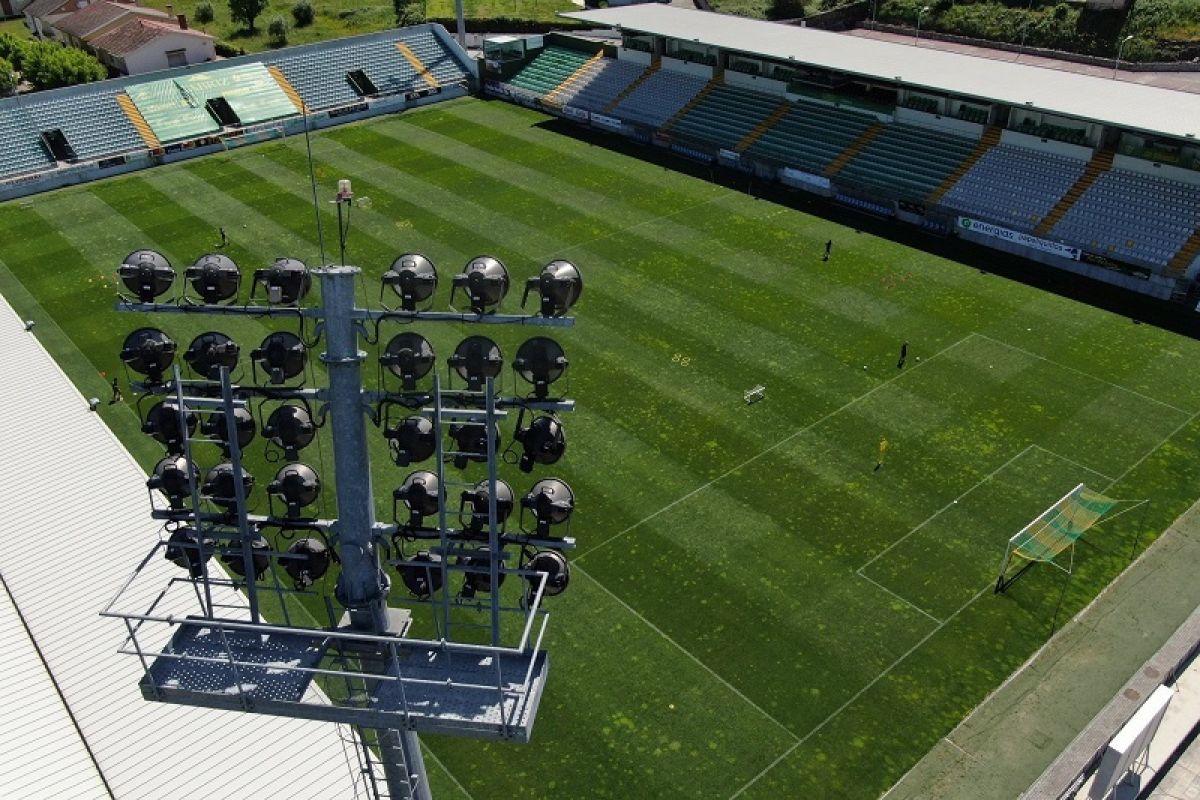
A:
[(214, 277), (556, 568), (148, 351), (210, 351), (290, 427), (307, 561), (475, 501), (345, 192), (162, 422), (423, 578), (485, 280), (260, 558), (551, 501), (217, 428), (476, 359), (414, 278), (540, 361), (147, 274), (478, 577), (281, 355), (410, 357), (471, 442), (297, 485), (286, 281), (185, 549), (421, 494), (559, 285), (411, 440), (219, 487), (172, 476), (543, 442)]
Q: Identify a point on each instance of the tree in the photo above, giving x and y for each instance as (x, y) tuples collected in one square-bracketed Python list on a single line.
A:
[(48, 66), (277, 31), (246, 11), (303, 13), (408, 12), (8, 78), (204, 13)]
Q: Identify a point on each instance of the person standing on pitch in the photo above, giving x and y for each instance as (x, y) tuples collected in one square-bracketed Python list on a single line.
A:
[(224, 239), (116, 393), (883, 448), (903, 356), (828, 249)]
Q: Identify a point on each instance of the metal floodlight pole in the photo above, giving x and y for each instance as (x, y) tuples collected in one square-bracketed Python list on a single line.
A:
[(460, 24)]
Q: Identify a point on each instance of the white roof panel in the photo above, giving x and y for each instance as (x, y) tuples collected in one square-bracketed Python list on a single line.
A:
[(1122, 103), (59, 584)]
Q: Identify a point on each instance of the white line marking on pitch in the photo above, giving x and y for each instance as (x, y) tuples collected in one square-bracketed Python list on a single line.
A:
[(1061, 457), (771, 448), (449, 774), (1077, 371), (685, 651), (908, 603)]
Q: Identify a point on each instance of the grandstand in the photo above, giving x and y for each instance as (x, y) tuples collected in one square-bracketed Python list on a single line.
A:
[(1088, 175), (54, 138)]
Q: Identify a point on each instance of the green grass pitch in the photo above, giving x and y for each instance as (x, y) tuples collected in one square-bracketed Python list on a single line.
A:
[(754, 612)]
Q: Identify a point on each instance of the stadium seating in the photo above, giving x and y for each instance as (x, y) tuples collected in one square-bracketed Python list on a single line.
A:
[(810, 136), (547, 70), (1134, 217), (93, 123), (659, 97), (20, 150), (601, 84), (1014, 186), (725, 116), (913, 161)]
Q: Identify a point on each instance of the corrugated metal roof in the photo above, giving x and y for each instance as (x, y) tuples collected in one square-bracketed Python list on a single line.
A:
[(1129, 105), (62, 561)]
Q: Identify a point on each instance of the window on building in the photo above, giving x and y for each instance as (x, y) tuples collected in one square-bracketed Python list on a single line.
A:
[(177, 58)]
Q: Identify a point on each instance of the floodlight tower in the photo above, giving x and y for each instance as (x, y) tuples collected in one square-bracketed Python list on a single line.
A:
[(377, 677)]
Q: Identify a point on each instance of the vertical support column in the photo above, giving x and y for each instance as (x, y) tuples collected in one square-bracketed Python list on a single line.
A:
[(239, 493), (461, 24)]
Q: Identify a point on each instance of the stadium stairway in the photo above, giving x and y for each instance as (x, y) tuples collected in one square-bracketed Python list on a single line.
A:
[(717, 79), (287, 88), (1182, 259), (753, 136), (1101, 162), (990, 138), (417, 64), (854, 148), (553, 97), (654, 67), (725, 116), (139, 123)]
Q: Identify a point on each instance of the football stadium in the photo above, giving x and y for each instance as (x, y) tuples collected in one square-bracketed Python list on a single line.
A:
[(875, 361)]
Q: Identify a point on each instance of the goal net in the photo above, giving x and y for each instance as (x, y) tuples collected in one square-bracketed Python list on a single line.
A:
[(1054, 531)]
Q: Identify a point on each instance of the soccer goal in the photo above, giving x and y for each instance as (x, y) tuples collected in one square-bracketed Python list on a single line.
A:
[(1053, 532)]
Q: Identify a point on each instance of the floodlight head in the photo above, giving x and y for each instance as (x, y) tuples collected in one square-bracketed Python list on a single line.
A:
[(552, 503), (219, 487), (543, 442), (558, 572), (286, 281), (147, 274), (414, 278), (210, 351), (172, 476), (260, 558), (471, 442), (214, 277), (281, 355), (307, 560), (540, 361), (476, 359), (559, 285), (148, 351), (475, 502), (424, 578), (421, 494), (411, 440), (217, 428), (185, 549), (478, 578), (162, 422), (290, 427), (485, 280), (297, 485), (409, 356)]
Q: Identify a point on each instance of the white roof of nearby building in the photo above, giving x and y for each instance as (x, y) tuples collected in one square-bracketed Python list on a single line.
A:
[(1121, 103), (63, 557)]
